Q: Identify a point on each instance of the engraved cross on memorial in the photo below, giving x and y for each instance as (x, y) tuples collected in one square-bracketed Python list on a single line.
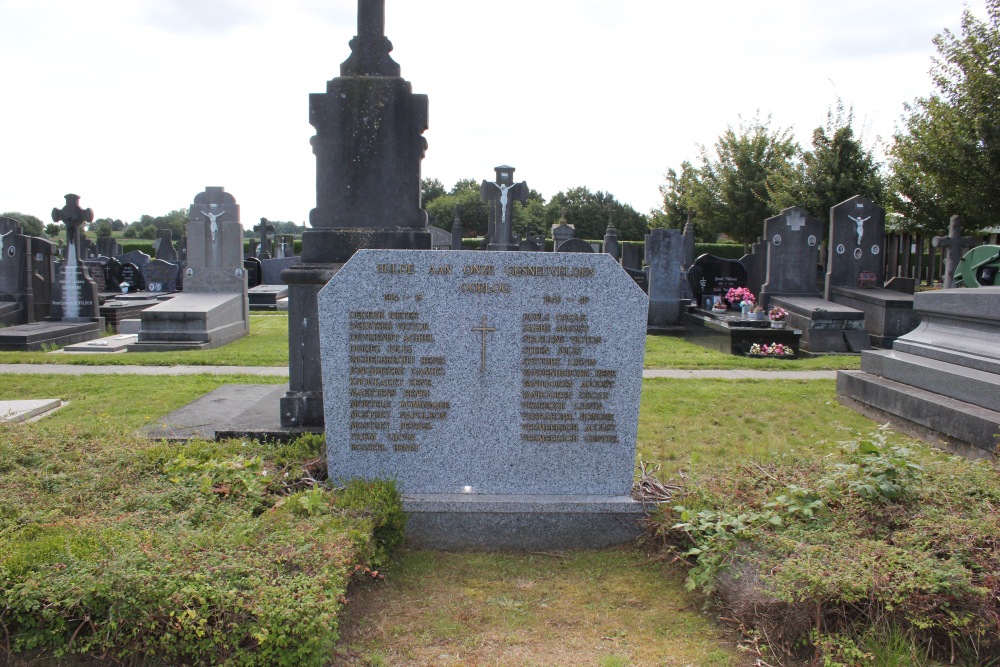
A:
[(503, 193), (952, 247)]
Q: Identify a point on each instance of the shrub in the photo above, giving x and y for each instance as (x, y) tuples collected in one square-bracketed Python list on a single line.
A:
[(211, 553), (816, 552)]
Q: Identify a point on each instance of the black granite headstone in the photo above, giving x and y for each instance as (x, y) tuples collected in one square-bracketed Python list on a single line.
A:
[(131, 275), (255, 271), (575, 245), (711, 275)]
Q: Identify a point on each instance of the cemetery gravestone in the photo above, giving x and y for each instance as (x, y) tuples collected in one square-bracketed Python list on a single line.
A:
[(68, 290), (165, 250), (611, 240), (714, 276), (131, 277), (15, 273), (503, 192), (857, 229), (792, 240), (664, 256), (161, 276), (575, 245), (501, 391), (212, 310), (254, 268)]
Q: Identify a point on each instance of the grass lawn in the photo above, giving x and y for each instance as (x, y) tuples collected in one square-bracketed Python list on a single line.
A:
[(674, 352), (267, 345)]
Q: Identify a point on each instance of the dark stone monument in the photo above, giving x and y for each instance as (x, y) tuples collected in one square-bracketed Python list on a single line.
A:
[(688, 243), (74, 305), (165, 250), (792, 239), (131, 277), (263, 229), (368, 148), (255, 271), (664, 256), (527, 245), (16, 299), (161, 276), (855, 272), (575, 245), (714, 276), (503, 192), (953, 247), (108, 246), (632, 255), (136, 257)]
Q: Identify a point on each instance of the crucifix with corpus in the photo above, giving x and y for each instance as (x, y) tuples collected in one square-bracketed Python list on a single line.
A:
[(503, 193)]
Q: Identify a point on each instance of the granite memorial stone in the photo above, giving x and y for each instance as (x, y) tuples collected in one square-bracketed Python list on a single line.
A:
[(487, 383), (792, 240), (664, 257)]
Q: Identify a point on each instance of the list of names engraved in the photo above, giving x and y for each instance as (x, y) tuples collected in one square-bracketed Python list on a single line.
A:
[(483, 372), (392, 372)]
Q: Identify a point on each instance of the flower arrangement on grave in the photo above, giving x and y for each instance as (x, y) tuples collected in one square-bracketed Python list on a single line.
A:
[(772, 350), (718, 305), (741, 295), (777, 314), (757, 308)]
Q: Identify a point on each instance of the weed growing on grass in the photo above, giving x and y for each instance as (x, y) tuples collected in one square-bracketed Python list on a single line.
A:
[(813, 552)]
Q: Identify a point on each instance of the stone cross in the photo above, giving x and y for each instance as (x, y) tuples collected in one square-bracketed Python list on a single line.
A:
[(73, 216), (370, 48), (264, 228), (484, 330), (504, 192), (952, 247)]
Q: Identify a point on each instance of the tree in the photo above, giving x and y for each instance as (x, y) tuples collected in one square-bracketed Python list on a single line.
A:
[(838, 167), (52, 229), (431, 189), (475, 212), (589, 212), (101, 227), (946, 160), (31, 225), (732, 196), (678, 203)]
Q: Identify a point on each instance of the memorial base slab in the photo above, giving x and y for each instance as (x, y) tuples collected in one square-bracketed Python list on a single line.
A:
[(520, 522), (39, 335)]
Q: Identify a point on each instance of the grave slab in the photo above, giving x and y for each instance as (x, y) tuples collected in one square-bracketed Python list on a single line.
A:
[(206, 416), (39, 335), (827, 327), (485, 375), (108, 344), (888, 313), (20, 411)]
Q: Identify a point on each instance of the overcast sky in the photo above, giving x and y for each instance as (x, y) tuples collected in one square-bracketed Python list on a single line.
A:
[(138, 105)]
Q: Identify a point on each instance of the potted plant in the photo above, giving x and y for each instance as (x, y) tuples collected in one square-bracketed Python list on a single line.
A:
[(757, 312), (743, 297), (777, 315)]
